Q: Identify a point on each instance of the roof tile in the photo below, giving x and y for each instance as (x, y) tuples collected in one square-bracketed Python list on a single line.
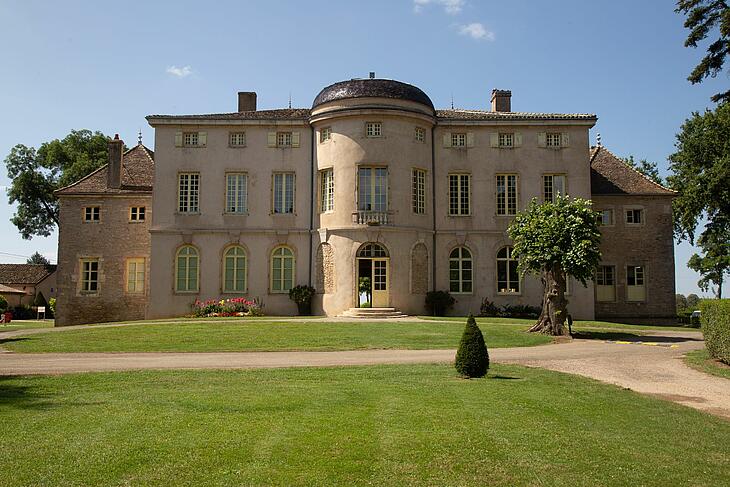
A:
[(25, 273), (611, 175)]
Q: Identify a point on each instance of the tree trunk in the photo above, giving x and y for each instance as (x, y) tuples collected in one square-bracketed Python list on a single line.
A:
[(554, 304)]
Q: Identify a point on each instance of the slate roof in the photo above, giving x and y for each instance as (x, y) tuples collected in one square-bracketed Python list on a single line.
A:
[(279, 114), (25, 273), (138, 171), (462, 114), (612, 176), (372, 88)]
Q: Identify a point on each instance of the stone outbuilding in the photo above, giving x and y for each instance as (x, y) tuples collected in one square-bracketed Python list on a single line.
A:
[(27, 280)]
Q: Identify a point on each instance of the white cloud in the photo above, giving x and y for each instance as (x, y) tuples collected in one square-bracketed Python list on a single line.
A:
[(451, 7), (477, 31), (180, 72)]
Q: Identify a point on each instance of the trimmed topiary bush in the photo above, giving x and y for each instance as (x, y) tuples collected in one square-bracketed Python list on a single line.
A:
[(437, 302), (715, 319), (472, 358)]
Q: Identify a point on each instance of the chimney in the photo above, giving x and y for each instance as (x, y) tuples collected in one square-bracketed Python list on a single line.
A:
[(501, 101), (114, 169), (246, 101), (372, 74)]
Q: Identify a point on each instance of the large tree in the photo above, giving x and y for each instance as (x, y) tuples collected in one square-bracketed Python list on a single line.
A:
[(554, 240), (647, 168), (714, 264), (38, 258), (35, 174), (704, 17)]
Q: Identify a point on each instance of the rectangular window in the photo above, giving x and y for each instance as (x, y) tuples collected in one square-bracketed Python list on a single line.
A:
[(606, 283), (418, 196), (284, 192), (237, 139), (635, 289), (135, 275), (635, 216), (188, 192), (137, 213), (283, 139), (90, 276), (325, 134), (92, 213), (553, 185), (420, 134), (236, 193), (373, 129), (190, 139), (459, 194), (326, 190), (605, 217), (506, 140), (458, 139), (553, 139), (506, 194), (372, 189)]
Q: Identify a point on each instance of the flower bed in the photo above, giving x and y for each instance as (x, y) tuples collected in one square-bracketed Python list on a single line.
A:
[(228, 307)]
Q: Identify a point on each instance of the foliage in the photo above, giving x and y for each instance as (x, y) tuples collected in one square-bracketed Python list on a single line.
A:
[(366, 304), (40, 299), (490, 309), (648, 169), (681, 302), (301, 294), (715, 320), (702, 17), (37, 174), (437, 302), (714, 264), (364, 286), (22, 312), (3, 303), (472, 357), (701, 174), (693, 301), (52, 305), (227, 307), (38, 258)]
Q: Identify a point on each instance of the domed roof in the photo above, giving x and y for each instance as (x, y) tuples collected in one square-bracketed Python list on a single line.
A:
[(372, 87)]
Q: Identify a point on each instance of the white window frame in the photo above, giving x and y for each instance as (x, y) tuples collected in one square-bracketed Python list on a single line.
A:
[(137, 214), (237, 139), (638, 293), (135, 274), (91, 214), (458, 140), (553, 140), (377, 178), (630, 221), (459, 263), (188, 257), (283, 139), (236, 193), (325, 134), (459, 194), (287, 188), (327, 190), (548, 181), (419, 134), (373, 130), (507, 204), (278, 283), (188, 192), (191, 139), (236, 254), (506, 261), (506, 140), (418, 191), (602, 221), (606, 284)]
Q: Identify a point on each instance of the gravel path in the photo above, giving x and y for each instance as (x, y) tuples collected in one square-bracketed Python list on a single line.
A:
[(651, 366)]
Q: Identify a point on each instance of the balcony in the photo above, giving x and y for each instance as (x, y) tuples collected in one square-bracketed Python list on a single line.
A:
[(373, 218)]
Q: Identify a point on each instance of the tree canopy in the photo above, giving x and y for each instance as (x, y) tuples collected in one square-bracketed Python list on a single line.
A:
[(36, 174), (647, 168), (554, 240), (38, 258), (701, 18), (714, 264)]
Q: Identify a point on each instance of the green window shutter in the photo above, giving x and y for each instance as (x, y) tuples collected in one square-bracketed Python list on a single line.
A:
[(518, 140), (295, 139), (494, 140), (178, 138), (542, 139), (564, 140), (447, 139), (272, 139), (202, 139), (470, 139)]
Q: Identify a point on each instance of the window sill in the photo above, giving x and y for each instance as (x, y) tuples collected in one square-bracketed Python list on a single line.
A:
[(235, 292), (192, 147), (91, 221), (235, 213), (460, 216), (236, 146), (185, 293), (89, 293), (508, 294), (137, 221), (283, 214), (181, 213)]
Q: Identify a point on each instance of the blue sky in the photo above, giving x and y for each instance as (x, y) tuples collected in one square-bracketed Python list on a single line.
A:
[(105, 65)]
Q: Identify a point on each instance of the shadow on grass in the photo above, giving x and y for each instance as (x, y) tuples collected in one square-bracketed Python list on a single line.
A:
[(629, 337), (22, 396), (10, 340), (504, 377)]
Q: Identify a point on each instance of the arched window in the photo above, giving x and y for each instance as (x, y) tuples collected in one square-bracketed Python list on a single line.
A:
[(508, 279), (372, 250), (186, 269), (282, 270), (234, 270), (460, 270)]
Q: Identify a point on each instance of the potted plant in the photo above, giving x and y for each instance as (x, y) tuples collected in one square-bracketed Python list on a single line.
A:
[(302, 295)]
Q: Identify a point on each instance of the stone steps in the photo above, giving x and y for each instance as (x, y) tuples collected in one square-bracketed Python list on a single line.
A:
[(373, 313)]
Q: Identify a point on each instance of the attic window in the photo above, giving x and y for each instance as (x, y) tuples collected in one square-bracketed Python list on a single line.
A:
[(92, 213), (190, 139)]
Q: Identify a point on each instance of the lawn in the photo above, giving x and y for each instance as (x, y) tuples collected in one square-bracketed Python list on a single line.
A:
[(380, 425), (242, 334), (25, 324), (701, 360), (578, 324)]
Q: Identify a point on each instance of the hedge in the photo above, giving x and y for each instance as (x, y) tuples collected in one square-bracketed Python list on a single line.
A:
[(715, 319)]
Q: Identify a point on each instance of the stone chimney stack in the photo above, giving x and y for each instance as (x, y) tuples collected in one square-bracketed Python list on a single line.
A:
[(246, 101), (114, 169), (501, 101)]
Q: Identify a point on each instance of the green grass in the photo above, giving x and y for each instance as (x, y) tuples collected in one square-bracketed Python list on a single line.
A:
[(701, 360), (25, 324), (576, 325), (242, 335), (382, 425)]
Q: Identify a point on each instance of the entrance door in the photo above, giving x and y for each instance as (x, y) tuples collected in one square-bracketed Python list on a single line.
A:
[(380, 283)]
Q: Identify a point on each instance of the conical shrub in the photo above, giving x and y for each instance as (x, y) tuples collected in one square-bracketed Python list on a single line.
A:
[(472, 358)]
